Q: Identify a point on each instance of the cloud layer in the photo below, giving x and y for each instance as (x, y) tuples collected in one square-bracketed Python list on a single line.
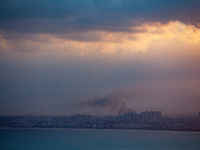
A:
[(57, 54), (67, 16)]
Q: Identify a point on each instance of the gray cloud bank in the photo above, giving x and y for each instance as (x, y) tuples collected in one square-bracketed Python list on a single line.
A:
[(66, 16)]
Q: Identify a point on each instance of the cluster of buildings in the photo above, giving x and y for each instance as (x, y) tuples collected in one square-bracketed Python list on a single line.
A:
[(143, 117), (148, 120)]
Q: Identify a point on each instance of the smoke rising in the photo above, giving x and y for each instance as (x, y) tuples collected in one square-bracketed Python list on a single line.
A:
[(115, 103)]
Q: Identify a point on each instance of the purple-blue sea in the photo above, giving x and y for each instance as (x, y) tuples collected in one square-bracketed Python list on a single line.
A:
[(91, 139)]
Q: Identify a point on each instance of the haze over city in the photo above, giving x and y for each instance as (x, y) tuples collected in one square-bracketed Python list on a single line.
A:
[(99, 57)]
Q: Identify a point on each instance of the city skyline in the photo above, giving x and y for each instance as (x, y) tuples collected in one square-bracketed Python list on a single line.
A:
[(148, 120), (99, 57)]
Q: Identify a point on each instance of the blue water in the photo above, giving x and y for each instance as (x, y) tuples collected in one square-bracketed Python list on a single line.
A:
[(78, 139)]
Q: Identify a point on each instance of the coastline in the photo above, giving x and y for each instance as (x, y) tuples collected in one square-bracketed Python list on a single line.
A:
[(104, 129)]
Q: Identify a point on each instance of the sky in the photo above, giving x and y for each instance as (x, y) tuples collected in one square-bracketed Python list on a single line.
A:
[(99, 57)]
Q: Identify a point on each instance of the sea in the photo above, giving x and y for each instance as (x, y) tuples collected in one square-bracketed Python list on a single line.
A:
[(94, 139)]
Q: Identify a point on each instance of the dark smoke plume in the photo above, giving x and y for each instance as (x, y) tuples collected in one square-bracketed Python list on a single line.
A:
[(114, 103)]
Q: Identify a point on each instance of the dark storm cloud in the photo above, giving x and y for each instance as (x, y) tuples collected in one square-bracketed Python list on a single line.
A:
[(66, 16), (116, 102)]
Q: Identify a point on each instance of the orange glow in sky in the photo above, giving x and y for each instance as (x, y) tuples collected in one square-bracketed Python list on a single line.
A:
[(155, 36)]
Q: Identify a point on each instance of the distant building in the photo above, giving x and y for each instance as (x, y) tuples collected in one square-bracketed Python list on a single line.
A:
[(143, 117)]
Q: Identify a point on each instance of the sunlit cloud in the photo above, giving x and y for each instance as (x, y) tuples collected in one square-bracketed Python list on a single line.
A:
[(154, 36)]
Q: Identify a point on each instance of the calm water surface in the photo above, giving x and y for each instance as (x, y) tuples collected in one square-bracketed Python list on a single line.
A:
[(72, 139)]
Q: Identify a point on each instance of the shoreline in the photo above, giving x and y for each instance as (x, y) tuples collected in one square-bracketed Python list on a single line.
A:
[(114, 129)]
